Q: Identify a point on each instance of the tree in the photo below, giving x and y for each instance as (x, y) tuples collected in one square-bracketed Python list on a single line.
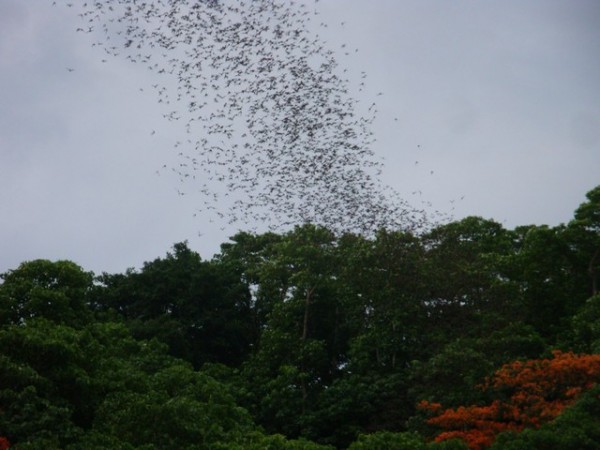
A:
[(62, 387), (576, 428), (528, 394), (383, 292), (386, 440), (468, 289), (299, 349), (246, 255), (451, 376), (56, 291), (44, 388), (587, 218), (180, 408), (585, 327), (259, 441), (551, 278), (198, 308)]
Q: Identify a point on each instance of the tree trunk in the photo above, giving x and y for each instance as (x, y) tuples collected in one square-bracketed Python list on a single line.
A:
[(593, 272), (307, 301)]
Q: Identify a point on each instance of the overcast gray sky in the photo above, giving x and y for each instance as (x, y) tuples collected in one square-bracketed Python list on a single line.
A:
[(499, 99)]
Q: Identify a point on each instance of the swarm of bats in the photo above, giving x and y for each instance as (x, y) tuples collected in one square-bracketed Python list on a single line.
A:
[(273, 134)]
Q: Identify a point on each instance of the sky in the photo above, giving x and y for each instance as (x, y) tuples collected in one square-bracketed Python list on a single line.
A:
[(488, 108)]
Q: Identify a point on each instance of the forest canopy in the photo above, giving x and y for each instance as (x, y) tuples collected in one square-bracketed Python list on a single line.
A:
[(468, 335)]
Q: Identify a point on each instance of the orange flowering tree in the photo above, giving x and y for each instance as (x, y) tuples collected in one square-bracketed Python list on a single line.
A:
[(528, 394)]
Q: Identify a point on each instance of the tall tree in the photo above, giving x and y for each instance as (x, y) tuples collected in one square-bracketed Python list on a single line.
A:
[(199, 308), (383, 291), (56, 291), (467, 288), (551, 277), (587, 219)]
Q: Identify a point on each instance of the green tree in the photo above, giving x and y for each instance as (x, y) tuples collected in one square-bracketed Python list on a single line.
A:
[(468, 291), (62, 387), (259, 441), (56, 291), (247, 255), (383, 292), (180, 408), (551, 277), (302, 344), (587, 221), (55, 355), (585, 327), (384, 440), (198, 308)]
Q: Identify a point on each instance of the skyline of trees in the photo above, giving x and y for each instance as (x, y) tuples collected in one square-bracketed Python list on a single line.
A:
[(308, 340)]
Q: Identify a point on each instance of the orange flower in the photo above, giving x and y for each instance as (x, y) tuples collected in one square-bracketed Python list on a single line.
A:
[(538, 391)]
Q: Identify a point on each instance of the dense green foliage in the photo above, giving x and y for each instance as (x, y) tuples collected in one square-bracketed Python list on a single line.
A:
[(302, 340)]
